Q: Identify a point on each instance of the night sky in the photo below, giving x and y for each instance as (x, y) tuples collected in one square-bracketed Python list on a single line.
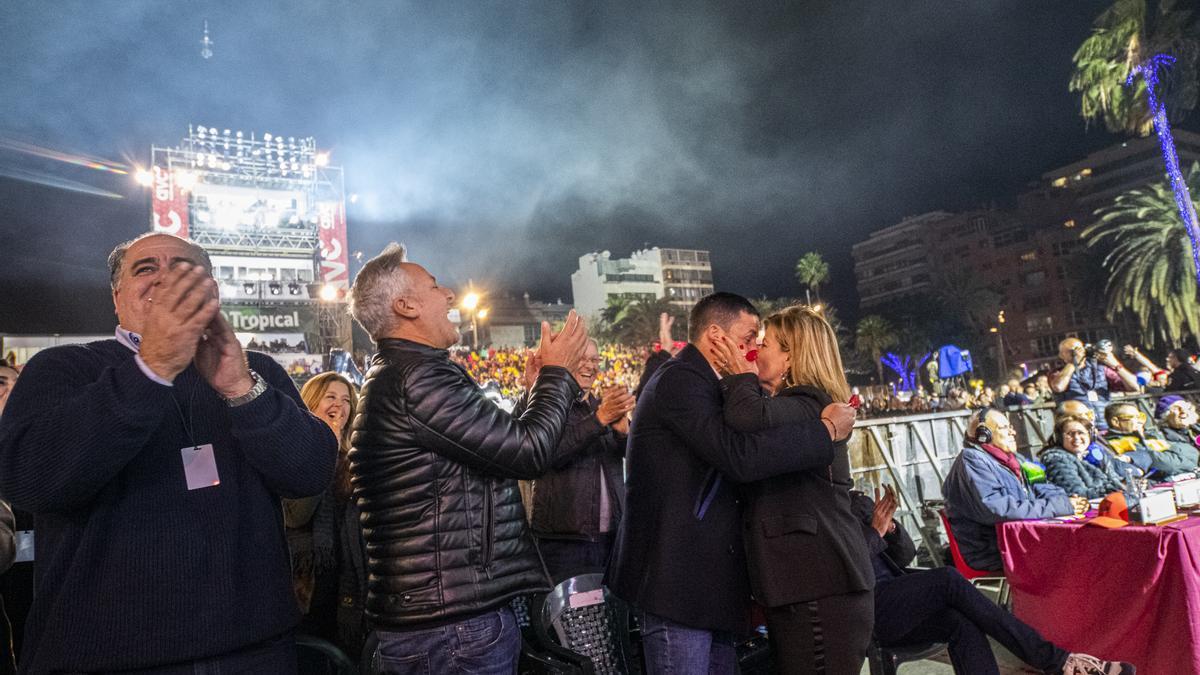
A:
[(501, 140)]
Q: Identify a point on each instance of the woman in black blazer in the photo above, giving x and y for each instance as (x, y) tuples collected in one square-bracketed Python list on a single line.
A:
[(808, 564)]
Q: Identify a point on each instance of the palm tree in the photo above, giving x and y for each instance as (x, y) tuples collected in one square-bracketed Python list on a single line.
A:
[(1124, 36), (1149, 262), (812, 271), (873, 335), (976, 304), (636, 323)]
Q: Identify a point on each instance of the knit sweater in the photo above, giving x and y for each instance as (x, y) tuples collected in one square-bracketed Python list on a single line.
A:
[(133, 569)]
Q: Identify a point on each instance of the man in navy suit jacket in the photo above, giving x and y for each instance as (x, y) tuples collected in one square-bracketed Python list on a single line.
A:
[(679, 556)]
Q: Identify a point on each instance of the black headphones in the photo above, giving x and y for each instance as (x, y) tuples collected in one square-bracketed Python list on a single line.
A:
[(981, 434)]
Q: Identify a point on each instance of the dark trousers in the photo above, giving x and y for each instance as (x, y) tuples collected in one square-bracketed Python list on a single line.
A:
[(939, 605), (567, 557), (829, 635), (276, 656)]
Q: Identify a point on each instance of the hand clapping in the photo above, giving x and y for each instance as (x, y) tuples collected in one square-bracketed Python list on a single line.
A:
[(180, 309), (564, 348)]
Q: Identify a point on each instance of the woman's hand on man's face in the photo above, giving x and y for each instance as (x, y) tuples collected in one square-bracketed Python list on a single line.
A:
[(730, 360)]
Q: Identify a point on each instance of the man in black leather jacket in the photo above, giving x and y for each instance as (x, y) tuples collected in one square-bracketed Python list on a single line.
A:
[(577, 505), (435, 466)]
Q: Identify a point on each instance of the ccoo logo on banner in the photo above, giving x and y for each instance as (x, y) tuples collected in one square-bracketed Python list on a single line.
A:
[(170, 204), (335, 260)]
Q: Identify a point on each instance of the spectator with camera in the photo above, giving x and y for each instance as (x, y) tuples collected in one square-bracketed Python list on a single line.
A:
[(1090, 374)]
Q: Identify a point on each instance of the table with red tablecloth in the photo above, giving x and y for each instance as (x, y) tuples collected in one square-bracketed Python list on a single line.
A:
[(1131, 593)]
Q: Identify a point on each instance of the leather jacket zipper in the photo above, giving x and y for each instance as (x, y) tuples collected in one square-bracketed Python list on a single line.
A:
[(489, 526)]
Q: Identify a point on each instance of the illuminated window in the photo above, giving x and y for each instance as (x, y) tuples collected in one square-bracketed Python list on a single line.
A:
[(1029, 256)]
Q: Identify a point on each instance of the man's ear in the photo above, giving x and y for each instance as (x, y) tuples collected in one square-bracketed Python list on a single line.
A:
[(404, 306)]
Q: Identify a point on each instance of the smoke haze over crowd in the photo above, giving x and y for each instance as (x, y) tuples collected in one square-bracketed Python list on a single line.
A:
[(501, 140)]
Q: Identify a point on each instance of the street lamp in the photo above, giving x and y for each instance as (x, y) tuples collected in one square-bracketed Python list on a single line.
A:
[(470, 303)]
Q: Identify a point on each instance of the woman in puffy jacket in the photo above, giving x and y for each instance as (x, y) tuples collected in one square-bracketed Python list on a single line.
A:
[(1066, 466)]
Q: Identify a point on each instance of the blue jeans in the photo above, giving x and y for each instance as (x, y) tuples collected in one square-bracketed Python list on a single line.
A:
[(487, 644), (675, 649)]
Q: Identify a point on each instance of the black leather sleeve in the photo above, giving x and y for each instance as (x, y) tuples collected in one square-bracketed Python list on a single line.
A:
[(454, 419)]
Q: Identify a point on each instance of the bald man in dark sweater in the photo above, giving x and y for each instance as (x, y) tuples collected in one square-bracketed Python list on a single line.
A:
[(154, 464)]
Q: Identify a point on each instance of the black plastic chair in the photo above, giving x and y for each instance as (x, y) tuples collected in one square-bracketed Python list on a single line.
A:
[(582, 625), (320, 657), (887, 660), (538, 658)]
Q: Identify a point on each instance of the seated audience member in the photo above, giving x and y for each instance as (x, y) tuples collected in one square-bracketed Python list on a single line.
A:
[(1098, 454), (1090, 377), (1177, 420), (1031, 393), (986, 486), (1067, 467), (939, 605), (577, 504), (1159, 458)]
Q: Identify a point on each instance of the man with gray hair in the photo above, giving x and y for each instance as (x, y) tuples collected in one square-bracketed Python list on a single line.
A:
[(435, 465), (155, 463)]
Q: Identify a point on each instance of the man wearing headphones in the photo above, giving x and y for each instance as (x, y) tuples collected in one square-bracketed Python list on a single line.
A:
[(986, 486)]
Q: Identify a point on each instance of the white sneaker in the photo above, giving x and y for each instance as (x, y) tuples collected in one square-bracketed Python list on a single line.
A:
[(1083, 664)]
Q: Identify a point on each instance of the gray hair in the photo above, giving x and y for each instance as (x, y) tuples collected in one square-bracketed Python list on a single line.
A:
[(117, 258), (377, 285)]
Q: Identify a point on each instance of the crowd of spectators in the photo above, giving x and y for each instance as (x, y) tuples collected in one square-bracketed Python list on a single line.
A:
[(277, 346), (1035, 388), (620, 365)]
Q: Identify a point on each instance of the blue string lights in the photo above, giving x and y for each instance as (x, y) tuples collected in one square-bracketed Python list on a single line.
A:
[(1183, 199)]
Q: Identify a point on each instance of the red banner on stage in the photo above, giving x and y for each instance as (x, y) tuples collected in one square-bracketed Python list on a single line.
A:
[(170, 204), (335, 260)]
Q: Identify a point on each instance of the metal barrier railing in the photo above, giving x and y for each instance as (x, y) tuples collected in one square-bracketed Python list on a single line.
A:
[(914, 452)]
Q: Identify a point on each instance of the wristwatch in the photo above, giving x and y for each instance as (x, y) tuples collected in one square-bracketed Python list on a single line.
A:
[(260, 385)]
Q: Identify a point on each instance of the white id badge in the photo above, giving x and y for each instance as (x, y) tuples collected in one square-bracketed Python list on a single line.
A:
[(200, 466), (24, 546), (1093, 396)]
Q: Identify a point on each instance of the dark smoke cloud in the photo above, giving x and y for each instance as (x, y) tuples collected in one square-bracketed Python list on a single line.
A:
[(502, 140)]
